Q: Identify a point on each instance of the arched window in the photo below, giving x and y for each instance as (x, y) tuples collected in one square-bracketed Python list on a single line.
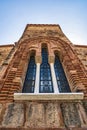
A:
[(29, 83), (46, 85), (62, 82)]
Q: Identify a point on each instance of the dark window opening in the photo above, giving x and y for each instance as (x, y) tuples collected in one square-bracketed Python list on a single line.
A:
[(62, 82), (29, 83), (46, 85)]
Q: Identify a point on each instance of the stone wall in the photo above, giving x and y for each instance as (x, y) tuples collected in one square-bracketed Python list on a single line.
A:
[(43, 115)]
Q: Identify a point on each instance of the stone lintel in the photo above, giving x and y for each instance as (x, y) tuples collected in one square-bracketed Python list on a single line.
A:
[(48, 96)]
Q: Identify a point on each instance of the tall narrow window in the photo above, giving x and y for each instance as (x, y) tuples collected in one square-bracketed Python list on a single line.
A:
[(46, 85), (60, 76), (29, 83)]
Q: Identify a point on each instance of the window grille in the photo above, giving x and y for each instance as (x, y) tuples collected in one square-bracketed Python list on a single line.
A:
[(46, 85), (62, 82), (29, 83)]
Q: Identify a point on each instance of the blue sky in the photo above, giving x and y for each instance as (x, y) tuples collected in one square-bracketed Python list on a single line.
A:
[(71, 15)]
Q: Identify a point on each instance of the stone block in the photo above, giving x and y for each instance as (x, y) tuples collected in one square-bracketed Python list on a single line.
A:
[(53, 116), (35, 115), (70, 115), (14, 116)]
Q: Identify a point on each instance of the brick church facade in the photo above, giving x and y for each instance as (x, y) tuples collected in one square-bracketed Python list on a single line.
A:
[(55, 103)]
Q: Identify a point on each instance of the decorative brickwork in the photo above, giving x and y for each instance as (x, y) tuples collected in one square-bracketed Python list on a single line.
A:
[(42, 115)]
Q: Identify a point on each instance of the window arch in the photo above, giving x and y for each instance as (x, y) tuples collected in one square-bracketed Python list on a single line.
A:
[(62, 82), (46, 85), (29, 83)]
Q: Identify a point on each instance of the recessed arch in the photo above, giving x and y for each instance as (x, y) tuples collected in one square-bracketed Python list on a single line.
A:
[(29, 83), (32, 52), (46, 85), (44, 45), (62, 82), (59, 54)]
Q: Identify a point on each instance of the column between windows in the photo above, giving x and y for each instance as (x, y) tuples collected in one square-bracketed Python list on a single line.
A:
[(38, 62), (55, 86)]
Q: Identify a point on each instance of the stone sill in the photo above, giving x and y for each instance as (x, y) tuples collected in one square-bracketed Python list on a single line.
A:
[(48, 96)]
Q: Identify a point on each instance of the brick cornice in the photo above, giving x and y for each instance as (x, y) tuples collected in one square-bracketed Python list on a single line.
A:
[(8, 45), (82, 46)]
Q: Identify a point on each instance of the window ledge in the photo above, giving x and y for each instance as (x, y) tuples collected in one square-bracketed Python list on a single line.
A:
[(48, 96)]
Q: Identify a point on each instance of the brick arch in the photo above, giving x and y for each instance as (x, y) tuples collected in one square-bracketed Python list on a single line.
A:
[(45, 44), (49, 41), (37, 45), (64, 46), (18, 65), (32, 51), (39, 40), (59, 53), (65, 57)]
